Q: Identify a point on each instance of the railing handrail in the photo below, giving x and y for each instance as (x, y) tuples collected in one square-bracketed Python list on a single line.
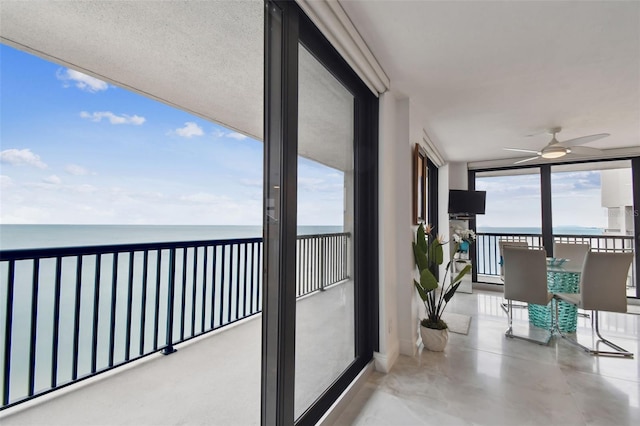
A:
[(50, 252), (621, 237), (525, 234)]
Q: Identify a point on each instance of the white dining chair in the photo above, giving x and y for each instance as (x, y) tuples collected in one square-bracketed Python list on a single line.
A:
[(573, 251), (602, 288), (525, 280), (501, 245), (504, 243)]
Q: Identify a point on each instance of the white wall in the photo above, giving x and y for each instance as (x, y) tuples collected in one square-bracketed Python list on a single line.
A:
[(388, 227), (400, 308), (407, 307)]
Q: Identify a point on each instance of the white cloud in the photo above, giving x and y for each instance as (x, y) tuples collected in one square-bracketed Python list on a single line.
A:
[(236, 136), (113, 118), (5, 181), (83, 189), (53, 179), (76, 170), (18, 157), (217, 133), (81, 81), (252, 182), (190, 129), (203, 197)]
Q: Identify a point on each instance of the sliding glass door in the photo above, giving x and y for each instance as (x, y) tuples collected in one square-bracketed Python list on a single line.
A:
[(325, 333), (319, 321)]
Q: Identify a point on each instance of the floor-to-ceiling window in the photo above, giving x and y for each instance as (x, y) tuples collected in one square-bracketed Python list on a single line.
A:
[(513, 212), (591, 202)]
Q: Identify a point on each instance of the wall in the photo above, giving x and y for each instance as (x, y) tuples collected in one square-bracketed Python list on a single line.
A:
[(388, 231), (400, 308)]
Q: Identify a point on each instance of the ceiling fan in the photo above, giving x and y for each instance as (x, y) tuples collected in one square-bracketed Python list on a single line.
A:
[(557, 149)]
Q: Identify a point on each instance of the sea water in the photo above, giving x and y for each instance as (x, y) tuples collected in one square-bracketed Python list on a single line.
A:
[(39, 236)]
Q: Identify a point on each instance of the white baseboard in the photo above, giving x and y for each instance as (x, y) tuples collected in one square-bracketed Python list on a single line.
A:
[(408, 347), (332, 414), (384, 361)]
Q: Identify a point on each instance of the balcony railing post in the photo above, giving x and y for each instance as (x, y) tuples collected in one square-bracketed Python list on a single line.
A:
[(169, 349), (323, 247), (8, 333)]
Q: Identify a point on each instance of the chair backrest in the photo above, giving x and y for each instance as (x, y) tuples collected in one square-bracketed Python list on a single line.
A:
[(574, 252), (502, 244), (603, 281), (525, 275)]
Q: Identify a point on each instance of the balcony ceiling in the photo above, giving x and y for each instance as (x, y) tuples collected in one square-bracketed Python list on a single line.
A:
[(487, 74), (483, 74)]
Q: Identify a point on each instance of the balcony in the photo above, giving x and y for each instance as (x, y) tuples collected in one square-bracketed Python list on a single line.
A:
[(202, 298)]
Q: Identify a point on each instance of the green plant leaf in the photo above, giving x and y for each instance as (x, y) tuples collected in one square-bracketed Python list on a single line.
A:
[(454, 249), (427, 280), (449, 294), (421, 291), (421, 239), (437, 252), (420, 257), (462, 273)]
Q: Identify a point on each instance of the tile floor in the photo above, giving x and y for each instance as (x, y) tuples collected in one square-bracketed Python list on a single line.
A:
[(486, 379)]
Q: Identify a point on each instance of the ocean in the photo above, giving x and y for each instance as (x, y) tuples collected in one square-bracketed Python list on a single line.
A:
[(40, 236), (558, 230)]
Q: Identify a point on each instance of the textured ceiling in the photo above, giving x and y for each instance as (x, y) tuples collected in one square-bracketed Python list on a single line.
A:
[(202, 57), (486, 74)]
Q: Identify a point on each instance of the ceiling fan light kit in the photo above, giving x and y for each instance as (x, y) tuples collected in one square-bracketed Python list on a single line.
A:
[(557, 149)]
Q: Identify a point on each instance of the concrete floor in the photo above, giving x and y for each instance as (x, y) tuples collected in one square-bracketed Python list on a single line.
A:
[(213, 380)]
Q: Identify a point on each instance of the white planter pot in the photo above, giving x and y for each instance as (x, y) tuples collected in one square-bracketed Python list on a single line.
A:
[(434, 340)]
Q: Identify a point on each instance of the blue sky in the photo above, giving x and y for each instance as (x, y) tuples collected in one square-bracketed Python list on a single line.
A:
[(75, 149), (514, 201)]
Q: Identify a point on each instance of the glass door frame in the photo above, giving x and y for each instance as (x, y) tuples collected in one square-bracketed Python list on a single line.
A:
[(286, 25)]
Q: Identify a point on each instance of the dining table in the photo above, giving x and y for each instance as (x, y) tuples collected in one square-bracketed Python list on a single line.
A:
[(563, 278)]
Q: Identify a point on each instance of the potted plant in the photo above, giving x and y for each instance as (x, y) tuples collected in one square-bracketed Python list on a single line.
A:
[(428, 255), (464, 238)]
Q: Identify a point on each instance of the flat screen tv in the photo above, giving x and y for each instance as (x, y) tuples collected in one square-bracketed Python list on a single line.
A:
[(467, 202)]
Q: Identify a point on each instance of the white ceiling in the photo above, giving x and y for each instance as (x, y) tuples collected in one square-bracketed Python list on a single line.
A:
[(487, 74), (484, 74)]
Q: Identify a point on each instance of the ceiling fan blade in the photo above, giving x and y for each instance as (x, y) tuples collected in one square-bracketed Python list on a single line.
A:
[(585, 150), (521, 150), (583, 139), (526, 159)]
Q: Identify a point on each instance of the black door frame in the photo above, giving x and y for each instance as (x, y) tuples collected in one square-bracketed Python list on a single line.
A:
[(286, 26)]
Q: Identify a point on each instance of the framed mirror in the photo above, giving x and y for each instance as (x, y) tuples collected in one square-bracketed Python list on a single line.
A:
[(419, 185)]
